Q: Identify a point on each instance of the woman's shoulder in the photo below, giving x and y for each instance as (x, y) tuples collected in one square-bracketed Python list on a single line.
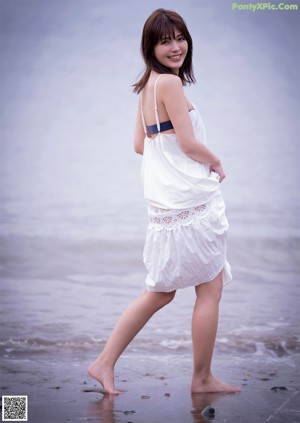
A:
[(169, 82), (168, 79)]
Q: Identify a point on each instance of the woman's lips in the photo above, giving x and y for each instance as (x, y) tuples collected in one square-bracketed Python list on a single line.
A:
[(175, 57)]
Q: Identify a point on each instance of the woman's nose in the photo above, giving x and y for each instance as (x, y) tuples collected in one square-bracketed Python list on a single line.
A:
[(174, 45)]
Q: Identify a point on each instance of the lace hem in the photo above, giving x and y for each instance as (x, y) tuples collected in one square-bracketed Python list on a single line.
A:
[(165, 218)]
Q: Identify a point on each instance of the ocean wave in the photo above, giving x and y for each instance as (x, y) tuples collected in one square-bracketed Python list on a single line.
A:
[(44, 343), (258, 346)]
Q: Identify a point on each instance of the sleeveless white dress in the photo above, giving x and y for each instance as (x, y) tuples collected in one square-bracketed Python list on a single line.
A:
[(186, 236)]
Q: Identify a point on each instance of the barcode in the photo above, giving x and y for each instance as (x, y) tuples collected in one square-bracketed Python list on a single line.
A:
[(14, 408)]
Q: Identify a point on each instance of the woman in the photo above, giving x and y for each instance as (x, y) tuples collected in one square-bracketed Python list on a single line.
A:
[(185, 243)]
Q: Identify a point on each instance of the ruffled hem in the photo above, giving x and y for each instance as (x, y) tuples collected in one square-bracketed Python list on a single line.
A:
[(226, 279), (189, 252)]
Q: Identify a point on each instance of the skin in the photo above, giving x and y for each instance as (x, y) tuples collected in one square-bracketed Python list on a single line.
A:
[(173, 105)]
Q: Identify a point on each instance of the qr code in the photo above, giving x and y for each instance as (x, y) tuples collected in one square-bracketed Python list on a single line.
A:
[(14, 408)]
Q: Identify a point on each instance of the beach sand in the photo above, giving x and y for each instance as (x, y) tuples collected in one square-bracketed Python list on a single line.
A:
[(153, 391)]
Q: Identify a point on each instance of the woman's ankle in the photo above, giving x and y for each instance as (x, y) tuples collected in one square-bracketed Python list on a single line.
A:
[(202, 376), (104, 363)]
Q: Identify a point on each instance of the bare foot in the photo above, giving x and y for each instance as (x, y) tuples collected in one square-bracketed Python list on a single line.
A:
[(103, 375), (200, 386)]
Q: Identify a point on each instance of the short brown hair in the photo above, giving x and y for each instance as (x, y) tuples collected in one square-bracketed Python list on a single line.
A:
[(160, 24)]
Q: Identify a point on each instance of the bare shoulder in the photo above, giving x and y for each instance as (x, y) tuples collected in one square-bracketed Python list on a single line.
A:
[(170, 82)]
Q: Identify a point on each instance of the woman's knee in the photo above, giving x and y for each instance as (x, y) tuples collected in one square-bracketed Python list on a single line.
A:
[(167, 297), (170, 296), (212, 289), (159, 299)]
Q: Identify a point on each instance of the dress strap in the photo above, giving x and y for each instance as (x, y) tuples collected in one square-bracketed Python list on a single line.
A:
[(155, 104), (142, 114), (155, 109)]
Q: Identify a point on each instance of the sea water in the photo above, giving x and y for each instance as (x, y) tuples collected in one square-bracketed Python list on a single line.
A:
[(73, 218)]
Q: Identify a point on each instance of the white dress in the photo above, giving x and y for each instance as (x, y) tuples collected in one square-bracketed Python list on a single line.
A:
[(186, 236)]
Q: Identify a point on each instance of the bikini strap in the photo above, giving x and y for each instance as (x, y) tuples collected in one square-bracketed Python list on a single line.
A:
[(155, 105)]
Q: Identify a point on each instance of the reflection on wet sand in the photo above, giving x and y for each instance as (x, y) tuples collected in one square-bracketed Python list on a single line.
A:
[(103, 410), (203, 406), (202, 411)]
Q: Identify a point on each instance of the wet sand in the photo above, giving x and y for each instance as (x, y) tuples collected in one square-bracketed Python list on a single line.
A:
[(154, 391)]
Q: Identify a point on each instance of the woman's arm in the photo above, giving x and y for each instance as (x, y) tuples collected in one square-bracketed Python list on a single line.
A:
[(172, 95), (139, 133)]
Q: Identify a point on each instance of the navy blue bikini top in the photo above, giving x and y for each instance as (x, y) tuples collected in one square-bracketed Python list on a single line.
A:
[(164, 126)]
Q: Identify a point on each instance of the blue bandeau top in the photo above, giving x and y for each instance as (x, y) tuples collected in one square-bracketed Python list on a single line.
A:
[(164, 126)]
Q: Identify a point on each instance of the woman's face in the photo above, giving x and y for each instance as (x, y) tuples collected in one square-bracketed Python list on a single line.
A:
[(171, 52)]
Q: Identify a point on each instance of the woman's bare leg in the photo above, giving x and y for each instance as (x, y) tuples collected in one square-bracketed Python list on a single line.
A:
[(133, 319), (204, 331)]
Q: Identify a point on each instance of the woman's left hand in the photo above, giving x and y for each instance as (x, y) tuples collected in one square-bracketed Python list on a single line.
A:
[(217, 168)]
